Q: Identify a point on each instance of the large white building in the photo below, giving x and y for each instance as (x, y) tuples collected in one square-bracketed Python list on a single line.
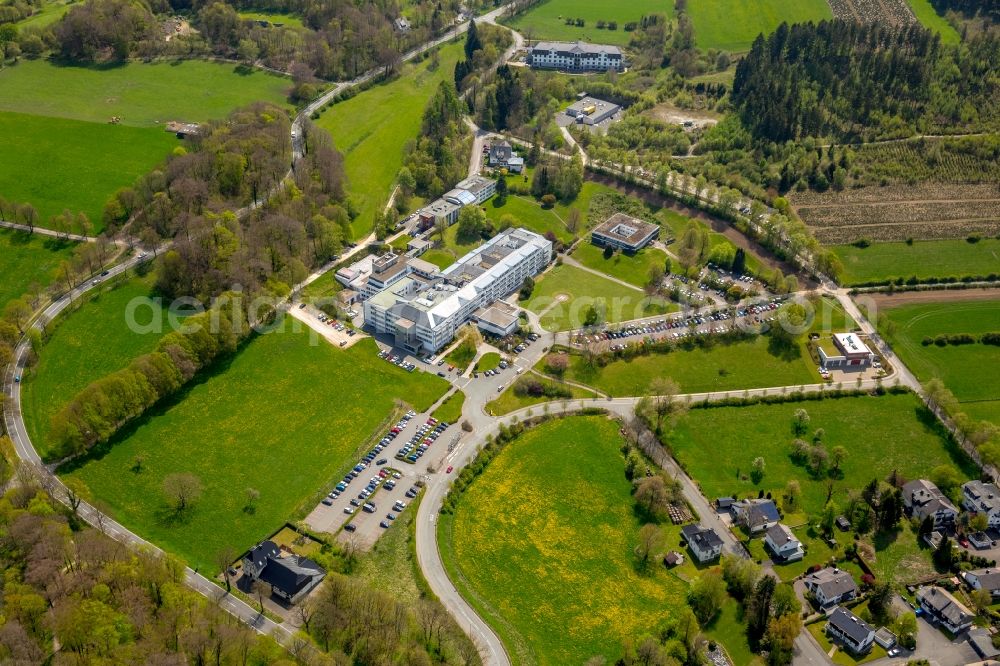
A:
[(423, 312), (472, 190), (576, 57)]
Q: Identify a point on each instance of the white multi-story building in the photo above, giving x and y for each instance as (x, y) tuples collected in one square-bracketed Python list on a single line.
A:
[(423, 312), (980, 497), (576, 57)]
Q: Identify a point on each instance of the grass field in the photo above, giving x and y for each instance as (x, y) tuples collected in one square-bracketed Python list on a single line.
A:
[(510, 401), (546, 20), (488, 361), (142, 94), (288, 445), (48, 14), (451, 409), (732, 25), (86, 345), (729, 628), (286, 20), (632, 269), (723, 367), (906, 439), (531, 215), (925, 13), (679, 223), (70, 164), (547, 558), (923, 259), (27, 259), (372, 128), (969, 371), (565, 293)]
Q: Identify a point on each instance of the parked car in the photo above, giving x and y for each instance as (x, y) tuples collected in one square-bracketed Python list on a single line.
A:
[(350, 527)]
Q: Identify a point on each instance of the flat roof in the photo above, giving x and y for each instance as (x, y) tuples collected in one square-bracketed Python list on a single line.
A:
[(578, 48), (851, 343), (600, 105), (626, 228), (499, 314)]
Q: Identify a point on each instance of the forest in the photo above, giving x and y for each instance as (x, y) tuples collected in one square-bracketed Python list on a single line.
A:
[(852, 82)]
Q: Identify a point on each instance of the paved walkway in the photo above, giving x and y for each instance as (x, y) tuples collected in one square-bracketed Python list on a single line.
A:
[(46, 232)]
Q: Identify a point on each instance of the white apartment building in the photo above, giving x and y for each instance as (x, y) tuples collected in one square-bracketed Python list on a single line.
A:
[(576, 57), (423, 312)]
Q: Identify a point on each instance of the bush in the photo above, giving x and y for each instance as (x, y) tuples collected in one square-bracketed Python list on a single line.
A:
[(548, 200)]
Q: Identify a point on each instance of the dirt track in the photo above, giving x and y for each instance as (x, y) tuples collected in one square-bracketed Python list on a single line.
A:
[(935, 296)]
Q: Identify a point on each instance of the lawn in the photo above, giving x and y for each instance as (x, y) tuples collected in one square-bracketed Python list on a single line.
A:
[(510, 401), (75, 165), (969, 371), (679, 223), (48, 14), (923, 259), (285, 429), (323, 287), (547, 559), (734, 366), (818, 552), (87, 344), (732, 25), (27, 259), (925, 13), (372, 128), (141, 94), (546, 19), (450, 410), (531, 215), (564, 295), (633, 269), (879, 433), (730, 629), (488, 361)]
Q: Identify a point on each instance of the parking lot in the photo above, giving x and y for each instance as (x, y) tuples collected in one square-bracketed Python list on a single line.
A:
[(339, 334)]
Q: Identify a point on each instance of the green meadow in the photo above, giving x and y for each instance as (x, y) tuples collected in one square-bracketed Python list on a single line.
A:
[(732, 25), (546, 20)]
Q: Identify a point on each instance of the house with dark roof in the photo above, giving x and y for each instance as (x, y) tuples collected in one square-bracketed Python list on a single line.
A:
[(502, 156), (979, 497), (846, 627), (984, 579), (831, 586), (922, 499), (944, 609), (982, 643), (704, 543), (756, 515), (783, 545), (291, 577)]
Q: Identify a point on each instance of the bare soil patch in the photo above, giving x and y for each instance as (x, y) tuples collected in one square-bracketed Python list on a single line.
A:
[(669, 113), (882, 300)]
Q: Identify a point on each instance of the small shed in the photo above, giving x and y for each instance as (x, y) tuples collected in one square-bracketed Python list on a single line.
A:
[(673, 559)]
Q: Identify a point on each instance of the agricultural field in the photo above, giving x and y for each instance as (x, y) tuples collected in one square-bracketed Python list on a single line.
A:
[(732, 25), (72, 357), (251, 423), (564, 294), (928, 211), (880, 434), (969, 371), (27, 259), (141, 94), (372, 128), (547, 20), (518, 519), (891, 12), (633, 269), (74, 165), (721, 367), (923, 259)]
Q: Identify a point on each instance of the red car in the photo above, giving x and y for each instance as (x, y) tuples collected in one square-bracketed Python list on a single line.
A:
[(448, 471)]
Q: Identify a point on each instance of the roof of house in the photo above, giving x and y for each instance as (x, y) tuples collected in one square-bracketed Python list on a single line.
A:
[(724, 502), (850, 624), (944, 605), (704, 537), (832, 581), (780, 535), (850, 343), (927, 497), (982, 643), (475, 184), (673, 557), (263, 552), (986, 495), (989, 579), (291, 573), (842, 521), (757, 511), (578, 48)]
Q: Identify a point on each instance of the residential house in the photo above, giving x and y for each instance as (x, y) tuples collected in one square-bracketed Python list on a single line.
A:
[(831, 586), (500, 154), (923, 499), (704, 543), (291, 577), (982, 643), (756, 515), (945, 609), (856, 634), (783, 544), (984, 579), (673, 559), (722, 504), (843, 524), (979, 497)]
